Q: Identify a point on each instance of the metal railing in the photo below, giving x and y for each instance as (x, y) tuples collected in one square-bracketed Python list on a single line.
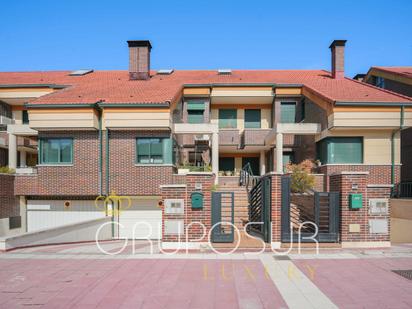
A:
[(247, 178), (403, 190)]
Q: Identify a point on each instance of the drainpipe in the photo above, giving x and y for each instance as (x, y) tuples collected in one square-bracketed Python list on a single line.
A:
[(393, 146), (99, 111)]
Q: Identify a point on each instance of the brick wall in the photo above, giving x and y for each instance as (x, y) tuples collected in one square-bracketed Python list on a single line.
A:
[(190, 215), (79, 179), (346, 183), (127, 178), (378, 174), (9, 204)]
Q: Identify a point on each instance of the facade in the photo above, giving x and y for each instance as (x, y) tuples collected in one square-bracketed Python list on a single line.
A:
[(397, 79), (72, 137)]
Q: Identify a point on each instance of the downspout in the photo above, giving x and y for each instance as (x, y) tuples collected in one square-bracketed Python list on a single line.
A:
[(393, 146), (100, 152)]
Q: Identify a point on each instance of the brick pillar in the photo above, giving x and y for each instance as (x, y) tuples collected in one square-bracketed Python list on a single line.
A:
[(194, 182), (355, 223), (276, 204)]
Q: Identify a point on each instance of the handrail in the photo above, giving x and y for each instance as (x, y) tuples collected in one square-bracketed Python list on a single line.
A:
[(247, 178)]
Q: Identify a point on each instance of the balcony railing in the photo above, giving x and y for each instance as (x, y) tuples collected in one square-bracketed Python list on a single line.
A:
[(229, 137), (254, 137), (4, 121)]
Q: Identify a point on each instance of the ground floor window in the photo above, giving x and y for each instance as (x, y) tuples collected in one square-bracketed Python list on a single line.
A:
[(287, 158), (154, 150), (335, 150), (56, 151)]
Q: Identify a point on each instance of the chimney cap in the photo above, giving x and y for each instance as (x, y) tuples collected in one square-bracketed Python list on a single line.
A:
[(337, 43), (140, 43)]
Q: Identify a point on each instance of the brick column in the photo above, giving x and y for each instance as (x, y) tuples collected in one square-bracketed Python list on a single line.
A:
[(276, 204), (194, 182), (355, 223)]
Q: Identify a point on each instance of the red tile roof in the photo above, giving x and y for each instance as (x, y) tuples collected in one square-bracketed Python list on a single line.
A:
[(404, 71), (115, 86)]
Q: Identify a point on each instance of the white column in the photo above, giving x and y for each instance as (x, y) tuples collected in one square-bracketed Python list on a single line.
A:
[(12, 151), (22, 158), (215, 155), (262, 162), (279, 152)]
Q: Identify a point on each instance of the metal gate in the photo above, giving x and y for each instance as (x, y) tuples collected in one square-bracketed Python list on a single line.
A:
[(222, 217), (325, 214), (259, 209)]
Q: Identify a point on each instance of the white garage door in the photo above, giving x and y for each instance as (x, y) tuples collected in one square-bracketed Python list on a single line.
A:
[(45, 214), (144, 217)]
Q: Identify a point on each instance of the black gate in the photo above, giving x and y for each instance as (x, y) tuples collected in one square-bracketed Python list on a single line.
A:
[(259, 209), (222, 216), (324, 213)]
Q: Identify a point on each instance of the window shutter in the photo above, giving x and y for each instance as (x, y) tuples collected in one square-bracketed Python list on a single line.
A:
[(196, 106)]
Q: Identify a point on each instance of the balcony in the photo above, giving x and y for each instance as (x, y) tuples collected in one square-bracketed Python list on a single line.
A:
[(229, 137), (4, 121), (21, 129), (254, 137)]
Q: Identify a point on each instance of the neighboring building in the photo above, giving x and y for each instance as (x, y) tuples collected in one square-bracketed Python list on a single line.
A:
[(93, 133), (397, 79)]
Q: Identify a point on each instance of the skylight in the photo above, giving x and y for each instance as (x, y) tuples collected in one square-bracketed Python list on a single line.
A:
[(224, 71), (80, 72), (165, 71)]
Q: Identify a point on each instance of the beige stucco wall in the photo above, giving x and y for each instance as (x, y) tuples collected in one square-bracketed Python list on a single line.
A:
[(63, 118), (376, 144), (368, 119), (265, 116), (136, 118)]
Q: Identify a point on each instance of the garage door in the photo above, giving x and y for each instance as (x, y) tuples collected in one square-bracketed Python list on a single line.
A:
[(45, 214), (144, 216)]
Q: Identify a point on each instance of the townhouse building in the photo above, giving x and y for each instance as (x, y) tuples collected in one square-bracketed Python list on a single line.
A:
[(71, 137), (397, 79)]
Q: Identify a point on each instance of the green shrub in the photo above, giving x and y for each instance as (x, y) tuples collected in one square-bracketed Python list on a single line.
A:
[(301, 179), (6, 170)]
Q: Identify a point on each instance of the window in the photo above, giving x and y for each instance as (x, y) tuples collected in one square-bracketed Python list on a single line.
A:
[(288, 112), (380, 82), (227, 118), (287, 158), (25, 117), (227, 164), (195, 111), (252, 118), (149, 151), (154, 150), (334, 150), (195, 116), (56, 151)]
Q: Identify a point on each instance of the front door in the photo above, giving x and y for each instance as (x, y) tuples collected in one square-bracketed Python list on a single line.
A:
[(222, 217)]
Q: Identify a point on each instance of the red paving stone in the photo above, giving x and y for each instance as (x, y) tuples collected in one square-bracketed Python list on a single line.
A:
[(140, 283), (361, 283)]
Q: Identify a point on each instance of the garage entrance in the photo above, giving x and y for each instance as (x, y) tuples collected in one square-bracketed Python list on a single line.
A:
[(143, 216)]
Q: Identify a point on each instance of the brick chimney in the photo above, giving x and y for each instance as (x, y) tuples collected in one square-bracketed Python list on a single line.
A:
[(338, 58), (139, 59)]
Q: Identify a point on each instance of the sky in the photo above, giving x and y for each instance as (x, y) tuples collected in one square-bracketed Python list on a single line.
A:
[(69, 35)]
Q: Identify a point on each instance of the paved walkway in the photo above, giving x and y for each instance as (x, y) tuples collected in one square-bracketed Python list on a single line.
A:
[(81, 276)]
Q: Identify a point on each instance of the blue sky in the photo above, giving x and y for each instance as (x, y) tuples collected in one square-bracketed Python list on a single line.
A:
[(56, 35)]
